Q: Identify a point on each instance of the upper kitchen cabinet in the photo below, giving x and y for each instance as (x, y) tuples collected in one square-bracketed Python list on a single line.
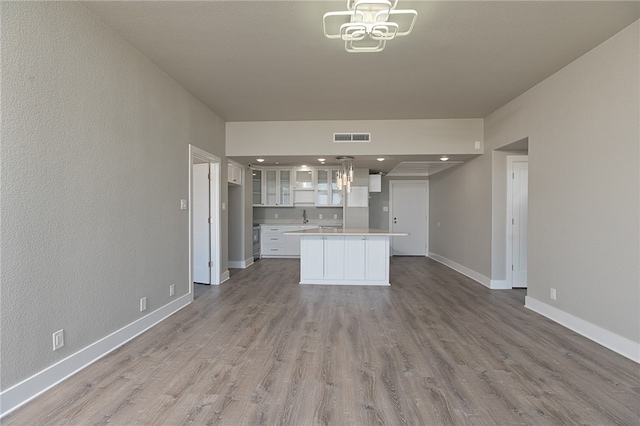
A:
[(234, 173), (275, 188), (257, 187), (303, 189), (327, 192)]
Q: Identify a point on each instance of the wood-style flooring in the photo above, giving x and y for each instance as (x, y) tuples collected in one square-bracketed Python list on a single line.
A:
[(435, 348)]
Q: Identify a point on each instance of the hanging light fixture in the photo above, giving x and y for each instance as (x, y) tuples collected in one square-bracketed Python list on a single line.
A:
[(345, 173), (366, 26)]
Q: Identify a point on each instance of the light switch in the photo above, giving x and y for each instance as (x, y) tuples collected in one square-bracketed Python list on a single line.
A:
[(183, 204), (224, 205), (385, 208)]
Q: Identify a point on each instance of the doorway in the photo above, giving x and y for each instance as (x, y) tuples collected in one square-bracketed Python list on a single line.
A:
[(204, 217), (408, 212), (517, 219)]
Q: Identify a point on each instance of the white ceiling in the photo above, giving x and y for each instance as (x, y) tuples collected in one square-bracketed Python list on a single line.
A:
[(269, 60)]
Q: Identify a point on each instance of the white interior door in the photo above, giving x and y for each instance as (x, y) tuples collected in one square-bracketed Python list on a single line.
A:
[(519, 204), (408, 213), (201, 225)]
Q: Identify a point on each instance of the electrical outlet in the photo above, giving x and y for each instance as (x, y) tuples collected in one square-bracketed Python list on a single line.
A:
[(58, 339), (172, 289), (275, 216), (320, 216), (335, 216), (552, 293), (476, 144), (143, 304)]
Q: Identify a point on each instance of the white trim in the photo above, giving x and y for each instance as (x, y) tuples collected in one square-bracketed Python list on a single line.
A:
[(241, 264), (345, 282), (500, 285), (619, 344), (462, 269), (225, 276), (509, 233), (25, 391), (425, 182), (214, 199)]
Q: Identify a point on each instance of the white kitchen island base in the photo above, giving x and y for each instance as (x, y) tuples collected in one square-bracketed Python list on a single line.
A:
[(344, 256)]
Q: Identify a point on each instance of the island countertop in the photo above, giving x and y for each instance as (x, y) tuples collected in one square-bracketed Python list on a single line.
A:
[(346, 231)]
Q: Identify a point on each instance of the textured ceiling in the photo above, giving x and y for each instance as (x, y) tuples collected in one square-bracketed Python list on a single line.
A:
[(269, 60)]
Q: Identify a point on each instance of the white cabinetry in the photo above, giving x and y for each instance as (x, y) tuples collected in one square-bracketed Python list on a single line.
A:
[(327, 193), (257, 187), (234, 173), (303, 188), (334, 261), (375, 183), (312, 258), (366, 258), (273, 243), (272, 187), (348, 260)]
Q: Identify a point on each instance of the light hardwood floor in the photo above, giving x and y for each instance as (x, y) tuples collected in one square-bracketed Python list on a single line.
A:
[(435, 348)]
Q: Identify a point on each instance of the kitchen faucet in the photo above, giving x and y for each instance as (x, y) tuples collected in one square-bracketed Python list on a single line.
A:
[(304, 216)]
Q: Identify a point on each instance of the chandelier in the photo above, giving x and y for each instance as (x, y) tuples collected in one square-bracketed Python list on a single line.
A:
[(366, 26), (345, 173)]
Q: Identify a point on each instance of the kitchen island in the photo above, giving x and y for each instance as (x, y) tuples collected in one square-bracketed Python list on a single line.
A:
[(344, 256)]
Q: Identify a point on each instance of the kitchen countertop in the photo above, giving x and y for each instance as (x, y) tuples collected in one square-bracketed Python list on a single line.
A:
[(346, 231), (299, 223)]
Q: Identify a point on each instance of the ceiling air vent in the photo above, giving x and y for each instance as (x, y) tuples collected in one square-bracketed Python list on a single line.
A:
[(352, 137)]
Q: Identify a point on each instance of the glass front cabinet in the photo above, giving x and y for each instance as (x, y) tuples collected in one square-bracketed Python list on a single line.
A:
[(272, 187), (257, 187), (327, 192)]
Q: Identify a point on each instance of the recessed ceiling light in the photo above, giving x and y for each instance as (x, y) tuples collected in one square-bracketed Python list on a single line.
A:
[(304, 165), (322, 160), (259, 160), (380, 159), (444, 158)]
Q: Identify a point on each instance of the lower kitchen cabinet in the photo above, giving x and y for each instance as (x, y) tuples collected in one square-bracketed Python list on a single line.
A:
[(362, 259), (276, 244)]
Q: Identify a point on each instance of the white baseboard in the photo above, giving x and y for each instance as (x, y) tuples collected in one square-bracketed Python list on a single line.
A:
[(625, 347), (225, 276), (241, 264), (485, 281), (500, 285), (25, 391)]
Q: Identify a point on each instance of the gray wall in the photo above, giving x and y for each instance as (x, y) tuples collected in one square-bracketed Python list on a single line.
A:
[(236, 228), (584, 191), (388, 137), (94, 162), (357, 217), (460, 201)]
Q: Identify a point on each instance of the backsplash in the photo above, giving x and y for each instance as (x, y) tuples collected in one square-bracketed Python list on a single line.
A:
[(294, 214)]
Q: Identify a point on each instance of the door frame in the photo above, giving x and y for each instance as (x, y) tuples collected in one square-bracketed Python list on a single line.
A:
[(214, 208), (509, 235), (424, 182)]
